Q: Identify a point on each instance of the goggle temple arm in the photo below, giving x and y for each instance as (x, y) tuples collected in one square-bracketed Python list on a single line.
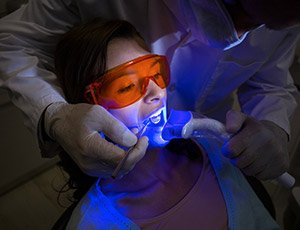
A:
[(92, 89)]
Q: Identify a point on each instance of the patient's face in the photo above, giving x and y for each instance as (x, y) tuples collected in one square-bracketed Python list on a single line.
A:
[(151, 104)]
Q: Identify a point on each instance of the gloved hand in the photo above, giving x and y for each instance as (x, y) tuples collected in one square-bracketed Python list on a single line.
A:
[(258, 148), (76, 128)]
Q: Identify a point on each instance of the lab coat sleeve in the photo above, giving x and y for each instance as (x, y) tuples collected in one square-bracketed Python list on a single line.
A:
[(270, 93), (28, 38)]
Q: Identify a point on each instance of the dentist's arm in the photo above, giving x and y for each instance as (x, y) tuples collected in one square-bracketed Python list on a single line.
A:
[(28, 39), (267, 100)]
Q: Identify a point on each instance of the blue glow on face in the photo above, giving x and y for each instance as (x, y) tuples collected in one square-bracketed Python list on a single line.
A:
[(154, 130)]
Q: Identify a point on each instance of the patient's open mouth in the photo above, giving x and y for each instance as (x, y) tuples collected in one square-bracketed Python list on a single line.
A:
[(154, 125), (156, 117)]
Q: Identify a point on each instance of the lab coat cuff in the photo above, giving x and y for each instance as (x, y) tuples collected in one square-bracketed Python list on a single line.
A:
[(48, 147)]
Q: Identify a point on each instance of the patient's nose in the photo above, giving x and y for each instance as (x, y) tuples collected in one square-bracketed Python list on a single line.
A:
[(154, 93)]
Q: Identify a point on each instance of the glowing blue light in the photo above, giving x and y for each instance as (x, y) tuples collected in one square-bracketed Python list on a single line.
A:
[(154, 130), (175, 123)]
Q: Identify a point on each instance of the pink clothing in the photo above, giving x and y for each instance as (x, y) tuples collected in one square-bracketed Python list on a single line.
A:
[(165, 187), (177, 193)]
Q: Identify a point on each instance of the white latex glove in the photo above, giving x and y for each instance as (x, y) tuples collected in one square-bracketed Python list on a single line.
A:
[(258, 148), (76, 128)]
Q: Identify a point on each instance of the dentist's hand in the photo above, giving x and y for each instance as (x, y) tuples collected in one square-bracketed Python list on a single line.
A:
[(258, 148), (76, 128)]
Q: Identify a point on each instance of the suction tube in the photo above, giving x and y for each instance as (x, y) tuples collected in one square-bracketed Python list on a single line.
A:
[(184, 124)]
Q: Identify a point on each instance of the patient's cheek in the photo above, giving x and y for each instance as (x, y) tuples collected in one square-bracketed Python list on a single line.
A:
[(127, 115)]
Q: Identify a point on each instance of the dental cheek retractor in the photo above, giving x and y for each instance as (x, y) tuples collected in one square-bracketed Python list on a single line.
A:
[(182, 124)]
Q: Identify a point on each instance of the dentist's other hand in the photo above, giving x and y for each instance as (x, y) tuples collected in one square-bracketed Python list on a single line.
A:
[(258, 148), (76, 128)]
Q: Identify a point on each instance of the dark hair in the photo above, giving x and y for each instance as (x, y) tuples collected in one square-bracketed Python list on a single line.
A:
[(80, 56)]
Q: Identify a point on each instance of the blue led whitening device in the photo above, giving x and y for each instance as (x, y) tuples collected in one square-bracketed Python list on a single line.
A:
[(183, 124)]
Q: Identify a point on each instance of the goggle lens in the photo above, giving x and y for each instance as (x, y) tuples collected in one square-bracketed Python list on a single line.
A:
[(127, 83)]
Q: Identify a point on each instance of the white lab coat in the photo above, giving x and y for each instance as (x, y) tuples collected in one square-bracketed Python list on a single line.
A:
[(202, 78)]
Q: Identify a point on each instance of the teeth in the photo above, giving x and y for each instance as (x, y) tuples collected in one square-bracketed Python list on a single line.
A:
[(155, 119)]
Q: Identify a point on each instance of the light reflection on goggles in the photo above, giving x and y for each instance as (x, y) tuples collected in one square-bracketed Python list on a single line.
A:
[(127, 83)]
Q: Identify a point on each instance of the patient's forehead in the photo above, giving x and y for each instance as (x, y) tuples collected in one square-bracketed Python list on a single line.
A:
[(121, 50)]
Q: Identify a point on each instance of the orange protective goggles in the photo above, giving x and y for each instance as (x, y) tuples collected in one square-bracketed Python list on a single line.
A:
[(127, 83)]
